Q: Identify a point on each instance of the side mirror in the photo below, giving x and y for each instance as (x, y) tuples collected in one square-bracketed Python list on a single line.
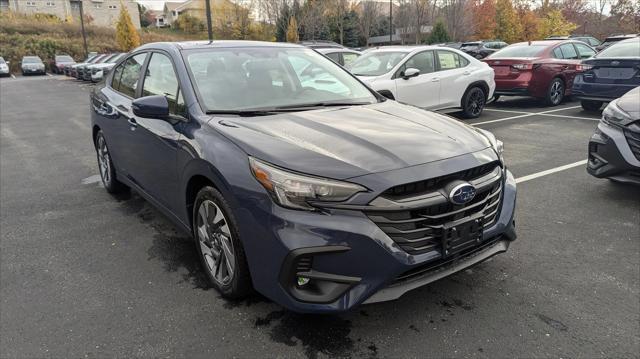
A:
[(410, 72), (155, 106)]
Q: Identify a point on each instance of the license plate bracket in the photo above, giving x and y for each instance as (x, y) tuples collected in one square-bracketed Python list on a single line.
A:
[(460, 235)]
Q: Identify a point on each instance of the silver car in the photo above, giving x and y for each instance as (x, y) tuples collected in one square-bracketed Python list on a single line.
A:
[(4, 68), (32, 65)]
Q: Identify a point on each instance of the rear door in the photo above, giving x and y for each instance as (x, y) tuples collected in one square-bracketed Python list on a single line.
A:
[(569, 65), (423, 90), (455, 75)]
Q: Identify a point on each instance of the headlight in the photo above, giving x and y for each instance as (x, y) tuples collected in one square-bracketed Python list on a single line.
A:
[(294, 190), (497, 145), (614, 115)]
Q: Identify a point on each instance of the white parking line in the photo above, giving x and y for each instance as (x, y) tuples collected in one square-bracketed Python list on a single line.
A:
[(13, 76), (505, 111), (550, 171), (575, 117), (48, 74), (559, 109), (504, 119)]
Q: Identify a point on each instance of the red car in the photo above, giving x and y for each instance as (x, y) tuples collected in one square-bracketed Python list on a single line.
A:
[(542, 69)]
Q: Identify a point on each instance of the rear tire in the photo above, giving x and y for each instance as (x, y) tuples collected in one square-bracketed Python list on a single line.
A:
[(555, 92), (218, 244), (591, 106), (106, 167), (473, 102)]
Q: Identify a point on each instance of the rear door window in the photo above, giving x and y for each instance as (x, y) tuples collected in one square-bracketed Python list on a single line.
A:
[(569, 52), (449, 60), (557, 53)]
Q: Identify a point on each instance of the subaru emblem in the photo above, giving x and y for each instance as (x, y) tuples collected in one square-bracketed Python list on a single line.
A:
[(462, 193)]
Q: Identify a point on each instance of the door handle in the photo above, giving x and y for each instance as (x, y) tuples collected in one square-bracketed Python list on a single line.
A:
[(435, 79), (133, 123)]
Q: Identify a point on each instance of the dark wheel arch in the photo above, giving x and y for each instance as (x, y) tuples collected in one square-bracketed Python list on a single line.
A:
[(194, 185), (483, 85)]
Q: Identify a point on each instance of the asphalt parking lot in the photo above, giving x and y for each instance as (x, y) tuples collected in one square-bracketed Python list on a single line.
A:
[(85, 274)]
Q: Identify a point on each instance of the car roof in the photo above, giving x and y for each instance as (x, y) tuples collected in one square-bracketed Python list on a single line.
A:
[(552, 42), (186, 45), (400, 48), (622, 36), (329, 50)]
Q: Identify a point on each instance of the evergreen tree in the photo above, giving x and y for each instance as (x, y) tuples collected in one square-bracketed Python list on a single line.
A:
[(439, 34), (283, 23), (126, 34), (351, 31)]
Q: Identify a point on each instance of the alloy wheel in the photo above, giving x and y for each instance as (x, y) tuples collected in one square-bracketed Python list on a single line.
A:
[(216, 245), (103, 160), (556, 92), (476, 103)]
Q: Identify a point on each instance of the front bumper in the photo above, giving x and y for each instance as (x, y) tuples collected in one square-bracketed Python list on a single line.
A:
[(351, 260), (33, 71), (610, 155)]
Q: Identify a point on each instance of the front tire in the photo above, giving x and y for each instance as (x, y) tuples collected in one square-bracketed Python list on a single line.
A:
[(218, 244), (591, 106), (473, 102), (555, 93), (105, 164)]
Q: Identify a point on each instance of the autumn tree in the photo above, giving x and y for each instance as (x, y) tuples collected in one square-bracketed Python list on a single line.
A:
[(627, 14), (554, 23), (292, 30), (508, 27), (126, 34), (484, 20)]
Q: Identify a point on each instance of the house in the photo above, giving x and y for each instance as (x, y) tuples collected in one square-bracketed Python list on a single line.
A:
[(102, 13), (222, 11)]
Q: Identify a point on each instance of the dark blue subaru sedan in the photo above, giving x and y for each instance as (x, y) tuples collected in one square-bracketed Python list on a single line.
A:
[(294, 178)]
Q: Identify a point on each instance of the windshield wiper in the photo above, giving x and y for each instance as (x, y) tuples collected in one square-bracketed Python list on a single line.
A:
[(243, 113), (279, 109), (306, 106)]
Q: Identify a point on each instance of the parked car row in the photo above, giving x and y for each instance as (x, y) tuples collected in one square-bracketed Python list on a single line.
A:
[(94, 68)]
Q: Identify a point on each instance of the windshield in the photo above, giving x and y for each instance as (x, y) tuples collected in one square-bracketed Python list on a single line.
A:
[(625, 49), (244, 79), (31, 60), (1, 60), (519, 51), (376, 63), (64, 58)]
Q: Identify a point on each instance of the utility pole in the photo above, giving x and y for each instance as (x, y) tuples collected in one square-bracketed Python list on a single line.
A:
[(84, 34), (390, 22), (209, 28)]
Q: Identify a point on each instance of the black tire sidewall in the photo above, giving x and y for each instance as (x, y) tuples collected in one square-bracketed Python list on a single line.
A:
[(240, 284), (113, 186), (467, 97)]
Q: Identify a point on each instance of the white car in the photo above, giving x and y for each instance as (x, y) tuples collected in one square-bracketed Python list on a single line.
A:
[(340, 55), (429, 77)]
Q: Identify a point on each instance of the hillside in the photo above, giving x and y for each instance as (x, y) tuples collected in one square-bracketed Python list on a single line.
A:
[(46, 36)]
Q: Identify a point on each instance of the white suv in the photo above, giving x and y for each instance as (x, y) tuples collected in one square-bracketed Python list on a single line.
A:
[(429, 77)]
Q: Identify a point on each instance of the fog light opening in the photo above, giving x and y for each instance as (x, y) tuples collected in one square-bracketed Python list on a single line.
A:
[(302, 281)]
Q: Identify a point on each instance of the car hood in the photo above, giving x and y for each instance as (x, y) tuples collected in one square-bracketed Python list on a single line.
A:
[(629, 103), (351, 141)]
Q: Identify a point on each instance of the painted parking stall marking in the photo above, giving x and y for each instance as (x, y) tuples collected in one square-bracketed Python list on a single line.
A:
[(550, 171)]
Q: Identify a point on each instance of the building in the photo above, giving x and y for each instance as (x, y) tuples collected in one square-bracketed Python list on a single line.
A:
[(103, 13), (222, 11)]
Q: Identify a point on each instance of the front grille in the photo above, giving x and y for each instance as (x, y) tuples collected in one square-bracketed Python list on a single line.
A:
[(633, 139), (431, 184), (418, 228)]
